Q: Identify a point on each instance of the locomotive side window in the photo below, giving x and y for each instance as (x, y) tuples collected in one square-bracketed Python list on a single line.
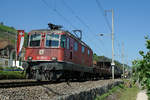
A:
[(54, 36), (68, 43), (52, 40), (88, 52), (35, 40), (27, 42), (63, 41), (83, 49), (75, 46)]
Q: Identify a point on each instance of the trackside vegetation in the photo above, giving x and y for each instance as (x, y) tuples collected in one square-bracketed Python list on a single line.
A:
[(11, 73), (141, 68), (114, 89), (7, 32), (121, 92)]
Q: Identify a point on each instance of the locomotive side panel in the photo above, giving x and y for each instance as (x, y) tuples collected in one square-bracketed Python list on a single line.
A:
[(75, 53)]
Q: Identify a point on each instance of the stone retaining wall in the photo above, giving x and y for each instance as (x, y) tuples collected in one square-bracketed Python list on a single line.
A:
[(89, 94)]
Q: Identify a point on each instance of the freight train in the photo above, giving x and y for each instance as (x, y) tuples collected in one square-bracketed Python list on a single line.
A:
[(54, 54)]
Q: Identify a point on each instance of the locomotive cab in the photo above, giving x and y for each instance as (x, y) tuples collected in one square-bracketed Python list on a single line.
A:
[(45, 46)]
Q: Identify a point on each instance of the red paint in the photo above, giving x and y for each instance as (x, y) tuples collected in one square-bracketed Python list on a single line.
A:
[(62, 54)]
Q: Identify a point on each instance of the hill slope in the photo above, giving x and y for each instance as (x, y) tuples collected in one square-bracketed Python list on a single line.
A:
[(7, 35)]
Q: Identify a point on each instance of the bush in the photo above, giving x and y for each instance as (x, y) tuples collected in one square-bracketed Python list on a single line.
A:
[(141, 68), (1, 68), (11, 75)]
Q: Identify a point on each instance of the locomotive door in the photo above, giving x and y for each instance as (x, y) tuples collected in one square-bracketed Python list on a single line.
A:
[(71, 49)]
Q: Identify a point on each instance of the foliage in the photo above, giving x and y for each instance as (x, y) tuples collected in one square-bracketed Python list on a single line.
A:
[(1, 68), (11, 75), (129, 93), (121, 92), (7, 32), (114, 89), (95, 57), (141, 68), (26, 40), (4, 28)]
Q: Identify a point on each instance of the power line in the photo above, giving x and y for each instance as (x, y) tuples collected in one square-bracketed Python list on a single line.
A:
[(76, 16), (73, 12), (65, 19), (58, 13), (80, 20), (103, 13), (106, 19)]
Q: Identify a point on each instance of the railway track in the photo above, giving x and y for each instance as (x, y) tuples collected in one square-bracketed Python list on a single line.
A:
[(21, 83), (55, 91), (27, 82)]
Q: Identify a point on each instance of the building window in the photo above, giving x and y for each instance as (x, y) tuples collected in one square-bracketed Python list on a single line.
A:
[(75, 46), (68, 43), (83, 49), (88, 52)]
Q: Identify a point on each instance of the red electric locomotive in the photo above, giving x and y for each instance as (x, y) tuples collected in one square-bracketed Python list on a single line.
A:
[(53, 54)]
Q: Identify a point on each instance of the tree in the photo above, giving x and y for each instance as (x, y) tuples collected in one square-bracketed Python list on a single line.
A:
[(141, 68), (1, 23)]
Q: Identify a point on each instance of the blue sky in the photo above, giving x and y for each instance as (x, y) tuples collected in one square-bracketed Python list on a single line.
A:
[(131, 21)]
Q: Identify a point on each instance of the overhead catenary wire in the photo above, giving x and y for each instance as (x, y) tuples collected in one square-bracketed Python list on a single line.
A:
[(106, 20), (58, 13), (103, 13), (80, 20), (73, 12), (68, 21)]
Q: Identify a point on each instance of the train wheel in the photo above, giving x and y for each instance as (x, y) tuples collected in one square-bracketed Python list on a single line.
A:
[(55, 75), (38, 76), (52, 76)]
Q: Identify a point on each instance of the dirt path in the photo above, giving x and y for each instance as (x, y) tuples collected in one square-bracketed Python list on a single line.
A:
[(142, 95)]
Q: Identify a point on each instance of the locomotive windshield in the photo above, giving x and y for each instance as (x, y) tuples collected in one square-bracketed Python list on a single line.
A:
[(35, 40), (52, 40)]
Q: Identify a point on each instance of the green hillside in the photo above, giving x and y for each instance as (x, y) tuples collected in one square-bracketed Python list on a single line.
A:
[(7, 29), (7, 34)]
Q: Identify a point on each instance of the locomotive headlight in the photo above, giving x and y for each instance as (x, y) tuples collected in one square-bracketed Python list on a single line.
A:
[(54, 58), (29, 58)]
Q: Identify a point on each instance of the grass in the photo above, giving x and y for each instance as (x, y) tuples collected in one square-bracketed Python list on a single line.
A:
[(114, 89), (7, 33), (121, 92), (129, 93), (11, 75), (7, 29)]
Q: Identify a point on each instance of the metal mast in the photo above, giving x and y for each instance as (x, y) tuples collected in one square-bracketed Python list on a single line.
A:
[(112, 64)]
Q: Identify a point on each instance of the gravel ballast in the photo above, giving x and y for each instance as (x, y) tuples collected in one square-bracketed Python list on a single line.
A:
[(60, 91)]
